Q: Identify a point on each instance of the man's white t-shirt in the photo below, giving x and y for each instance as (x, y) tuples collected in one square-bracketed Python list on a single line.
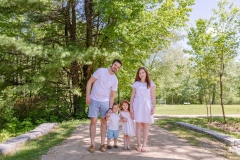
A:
[(113, 122), (104, 84)]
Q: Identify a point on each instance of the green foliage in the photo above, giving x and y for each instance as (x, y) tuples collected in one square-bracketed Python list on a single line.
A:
[(215, 43), (37, 64)]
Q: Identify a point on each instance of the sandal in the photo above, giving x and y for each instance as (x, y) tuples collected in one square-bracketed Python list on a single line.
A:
[(139, 148), (109, 147), (115, 146), (128, 147), (143, 149)]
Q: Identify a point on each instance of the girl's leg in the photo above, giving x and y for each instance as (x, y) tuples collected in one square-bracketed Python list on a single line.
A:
[(129, 142), (125, 141), (145, 136), (138, 134)]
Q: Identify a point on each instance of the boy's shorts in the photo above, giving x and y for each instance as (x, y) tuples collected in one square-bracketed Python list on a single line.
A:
[(97, 107), (112, 133)]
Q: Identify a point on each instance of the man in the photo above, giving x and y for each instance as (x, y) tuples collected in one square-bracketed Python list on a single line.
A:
[(101, 99)]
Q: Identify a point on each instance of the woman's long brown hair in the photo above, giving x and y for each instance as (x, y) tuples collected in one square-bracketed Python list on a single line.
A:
[(137, 78)]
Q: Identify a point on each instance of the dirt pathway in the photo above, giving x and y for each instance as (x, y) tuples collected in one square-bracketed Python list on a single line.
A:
[(162, 145)]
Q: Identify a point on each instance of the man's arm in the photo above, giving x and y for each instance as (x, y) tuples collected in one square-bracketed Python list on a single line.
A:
[(112, 96), (88, 89)]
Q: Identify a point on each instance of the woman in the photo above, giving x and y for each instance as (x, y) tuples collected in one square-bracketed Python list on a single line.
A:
[(142, 105)]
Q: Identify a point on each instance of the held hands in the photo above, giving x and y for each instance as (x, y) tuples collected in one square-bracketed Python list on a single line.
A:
[(124, 120), (153, 111)]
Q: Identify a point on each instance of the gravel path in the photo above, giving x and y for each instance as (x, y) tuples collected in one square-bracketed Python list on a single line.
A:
[(162, 145)]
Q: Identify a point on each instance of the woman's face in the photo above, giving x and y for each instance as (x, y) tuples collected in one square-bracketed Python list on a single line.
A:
[(142, 75)]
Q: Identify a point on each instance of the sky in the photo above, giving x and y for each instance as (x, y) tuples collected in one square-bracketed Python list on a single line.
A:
[(202, 9)]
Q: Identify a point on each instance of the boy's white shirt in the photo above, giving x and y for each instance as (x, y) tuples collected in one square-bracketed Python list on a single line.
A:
[(113, 121)]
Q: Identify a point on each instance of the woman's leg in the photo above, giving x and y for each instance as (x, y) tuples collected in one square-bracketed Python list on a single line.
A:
[(145, 136), (138, 134)]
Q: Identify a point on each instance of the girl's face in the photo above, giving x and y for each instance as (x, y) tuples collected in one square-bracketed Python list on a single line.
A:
[(125, 106), (142, 75), (114, 108)]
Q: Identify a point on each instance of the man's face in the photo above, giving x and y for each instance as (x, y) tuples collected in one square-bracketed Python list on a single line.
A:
[(115, 67)]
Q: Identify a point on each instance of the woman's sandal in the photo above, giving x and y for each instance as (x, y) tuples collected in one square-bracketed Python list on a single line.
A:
[(139, 148), (143, 149)]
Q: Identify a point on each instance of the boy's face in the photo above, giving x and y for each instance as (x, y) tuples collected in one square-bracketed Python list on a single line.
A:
[(115, 109)]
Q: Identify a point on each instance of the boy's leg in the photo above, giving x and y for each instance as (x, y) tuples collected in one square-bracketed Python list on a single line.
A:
[(115, 142)]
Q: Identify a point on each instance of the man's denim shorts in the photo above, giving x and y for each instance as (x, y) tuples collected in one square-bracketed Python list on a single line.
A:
[(97, 107)]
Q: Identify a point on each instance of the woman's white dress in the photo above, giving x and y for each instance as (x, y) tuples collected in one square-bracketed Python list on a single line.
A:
[(142, 103), (128, 128)]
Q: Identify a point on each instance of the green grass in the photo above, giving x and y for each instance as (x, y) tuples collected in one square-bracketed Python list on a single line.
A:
[(195, 109), (35, 148)]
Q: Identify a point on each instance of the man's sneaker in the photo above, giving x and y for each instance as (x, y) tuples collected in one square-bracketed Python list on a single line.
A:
[(91, 149), (102, 148)]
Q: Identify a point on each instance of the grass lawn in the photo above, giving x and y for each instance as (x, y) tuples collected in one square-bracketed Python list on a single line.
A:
[(196, 109)]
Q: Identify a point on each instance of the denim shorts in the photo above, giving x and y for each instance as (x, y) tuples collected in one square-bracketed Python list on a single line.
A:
[(112, 133), (97, 107)]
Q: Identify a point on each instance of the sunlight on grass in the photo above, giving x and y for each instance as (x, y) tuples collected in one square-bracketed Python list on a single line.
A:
[(195, 109)]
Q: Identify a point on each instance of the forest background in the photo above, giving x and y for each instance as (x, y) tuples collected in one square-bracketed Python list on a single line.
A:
[(50, 48)]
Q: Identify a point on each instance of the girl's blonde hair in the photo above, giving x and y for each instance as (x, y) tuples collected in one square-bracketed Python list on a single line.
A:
[(121, 104)]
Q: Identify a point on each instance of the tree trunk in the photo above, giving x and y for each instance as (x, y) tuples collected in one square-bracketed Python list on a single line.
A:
[(70, 27), (213, 96), (221, 91)]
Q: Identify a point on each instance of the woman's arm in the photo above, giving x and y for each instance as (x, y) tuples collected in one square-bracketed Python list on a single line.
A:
[(132, 99), (153, 99)]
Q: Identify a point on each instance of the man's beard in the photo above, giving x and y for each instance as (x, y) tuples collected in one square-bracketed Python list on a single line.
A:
[(113, 70)]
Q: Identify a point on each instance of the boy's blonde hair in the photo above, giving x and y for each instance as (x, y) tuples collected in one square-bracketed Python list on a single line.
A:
[(121, 104)]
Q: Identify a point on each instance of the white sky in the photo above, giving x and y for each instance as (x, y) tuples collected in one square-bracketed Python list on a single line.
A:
[(202, 9)]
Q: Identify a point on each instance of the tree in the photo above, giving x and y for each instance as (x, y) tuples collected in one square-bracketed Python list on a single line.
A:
[(215, 42), (63, 42)]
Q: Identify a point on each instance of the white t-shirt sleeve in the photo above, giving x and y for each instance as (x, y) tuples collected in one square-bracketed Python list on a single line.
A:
[(114, 87), (97, 73), (153, 84), (134, 85)]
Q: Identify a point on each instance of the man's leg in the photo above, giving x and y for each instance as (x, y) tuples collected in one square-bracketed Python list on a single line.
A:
[(92, 130), (103, 131)]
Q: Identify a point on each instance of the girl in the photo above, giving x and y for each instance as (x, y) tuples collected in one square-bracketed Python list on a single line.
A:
[(128, 126), (143, 104)]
